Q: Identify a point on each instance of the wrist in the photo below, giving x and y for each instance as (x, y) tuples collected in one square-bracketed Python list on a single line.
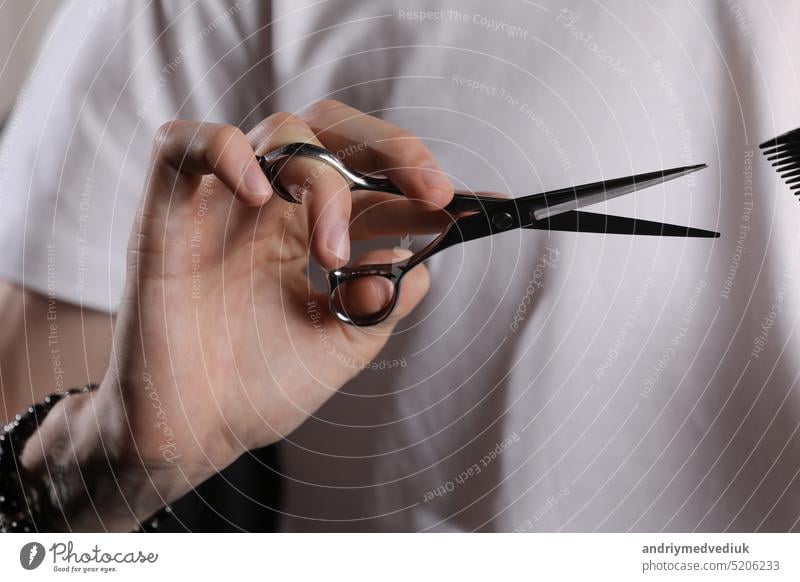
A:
[(148, 426), (72, 464)]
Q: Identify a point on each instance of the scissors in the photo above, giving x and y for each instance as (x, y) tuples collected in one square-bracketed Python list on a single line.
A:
[(476, 217)]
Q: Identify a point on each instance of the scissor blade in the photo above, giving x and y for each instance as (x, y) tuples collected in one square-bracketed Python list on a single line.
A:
[(575, 221), (566, 199)]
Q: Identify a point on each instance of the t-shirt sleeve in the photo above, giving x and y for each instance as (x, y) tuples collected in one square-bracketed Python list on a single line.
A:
[(75, 148)]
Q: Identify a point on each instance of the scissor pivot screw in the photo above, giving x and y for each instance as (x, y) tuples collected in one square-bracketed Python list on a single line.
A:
[(502, 221)]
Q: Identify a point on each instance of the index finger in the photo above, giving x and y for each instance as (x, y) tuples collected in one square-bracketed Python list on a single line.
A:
[(370, 144), (184, 152)]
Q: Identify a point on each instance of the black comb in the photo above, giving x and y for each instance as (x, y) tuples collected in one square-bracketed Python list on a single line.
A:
[(784, 153)]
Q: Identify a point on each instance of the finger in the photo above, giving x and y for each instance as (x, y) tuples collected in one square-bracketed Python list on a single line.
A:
[(369, 295), (184, 151), (378, 214), (325, 195), (373, 145)]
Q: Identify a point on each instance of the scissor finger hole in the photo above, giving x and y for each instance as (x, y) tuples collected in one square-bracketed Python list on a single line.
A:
[(294, 177), (364, 300)]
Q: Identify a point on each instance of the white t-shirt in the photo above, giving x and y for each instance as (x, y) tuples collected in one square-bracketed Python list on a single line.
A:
[(549, 381)]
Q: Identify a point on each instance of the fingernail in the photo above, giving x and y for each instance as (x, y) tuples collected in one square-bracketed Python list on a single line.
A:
[(339, 241), (400, 253), (433, 178), (255, 181)]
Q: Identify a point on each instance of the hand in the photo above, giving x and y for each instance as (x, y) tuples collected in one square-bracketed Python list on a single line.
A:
[(221, 346)]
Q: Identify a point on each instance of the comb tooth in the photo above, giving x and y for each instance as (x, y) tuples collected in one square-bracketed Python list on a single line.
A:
[(772, 151), (783, 138), (781, 148), (784, 163), (792, 145), (782, 153), (789, 171), (791, 174)]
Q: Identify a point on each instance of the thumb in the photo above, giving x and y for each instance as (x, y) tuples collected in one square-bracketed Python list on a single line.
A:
[(369, 295)]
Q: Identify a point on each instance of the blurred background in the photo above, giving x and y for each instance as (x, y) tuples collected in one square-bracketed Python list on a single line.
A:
[(22, 28)]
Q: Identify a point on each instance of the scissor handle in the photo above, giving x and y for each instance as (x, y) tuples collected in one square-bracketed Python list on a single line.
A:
[(340, 279), (272, 164)]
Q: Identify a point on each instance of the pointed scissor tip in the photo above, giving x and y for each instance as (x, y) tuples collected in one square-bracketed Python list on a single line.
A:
[(673, 173), (680, 170)]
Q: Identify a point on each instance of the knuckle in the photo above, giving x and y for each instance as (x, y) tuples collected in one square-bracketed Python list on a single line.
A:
[(400, 149), (283, 121), (168, 140), (219, 140), (321, 108), (223, 135), (371, 217), (164, 134)]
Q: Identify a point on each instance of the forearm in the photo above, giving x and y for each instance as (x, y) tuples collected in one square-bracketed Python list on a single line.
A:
[(64, 345), (85, 455)]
